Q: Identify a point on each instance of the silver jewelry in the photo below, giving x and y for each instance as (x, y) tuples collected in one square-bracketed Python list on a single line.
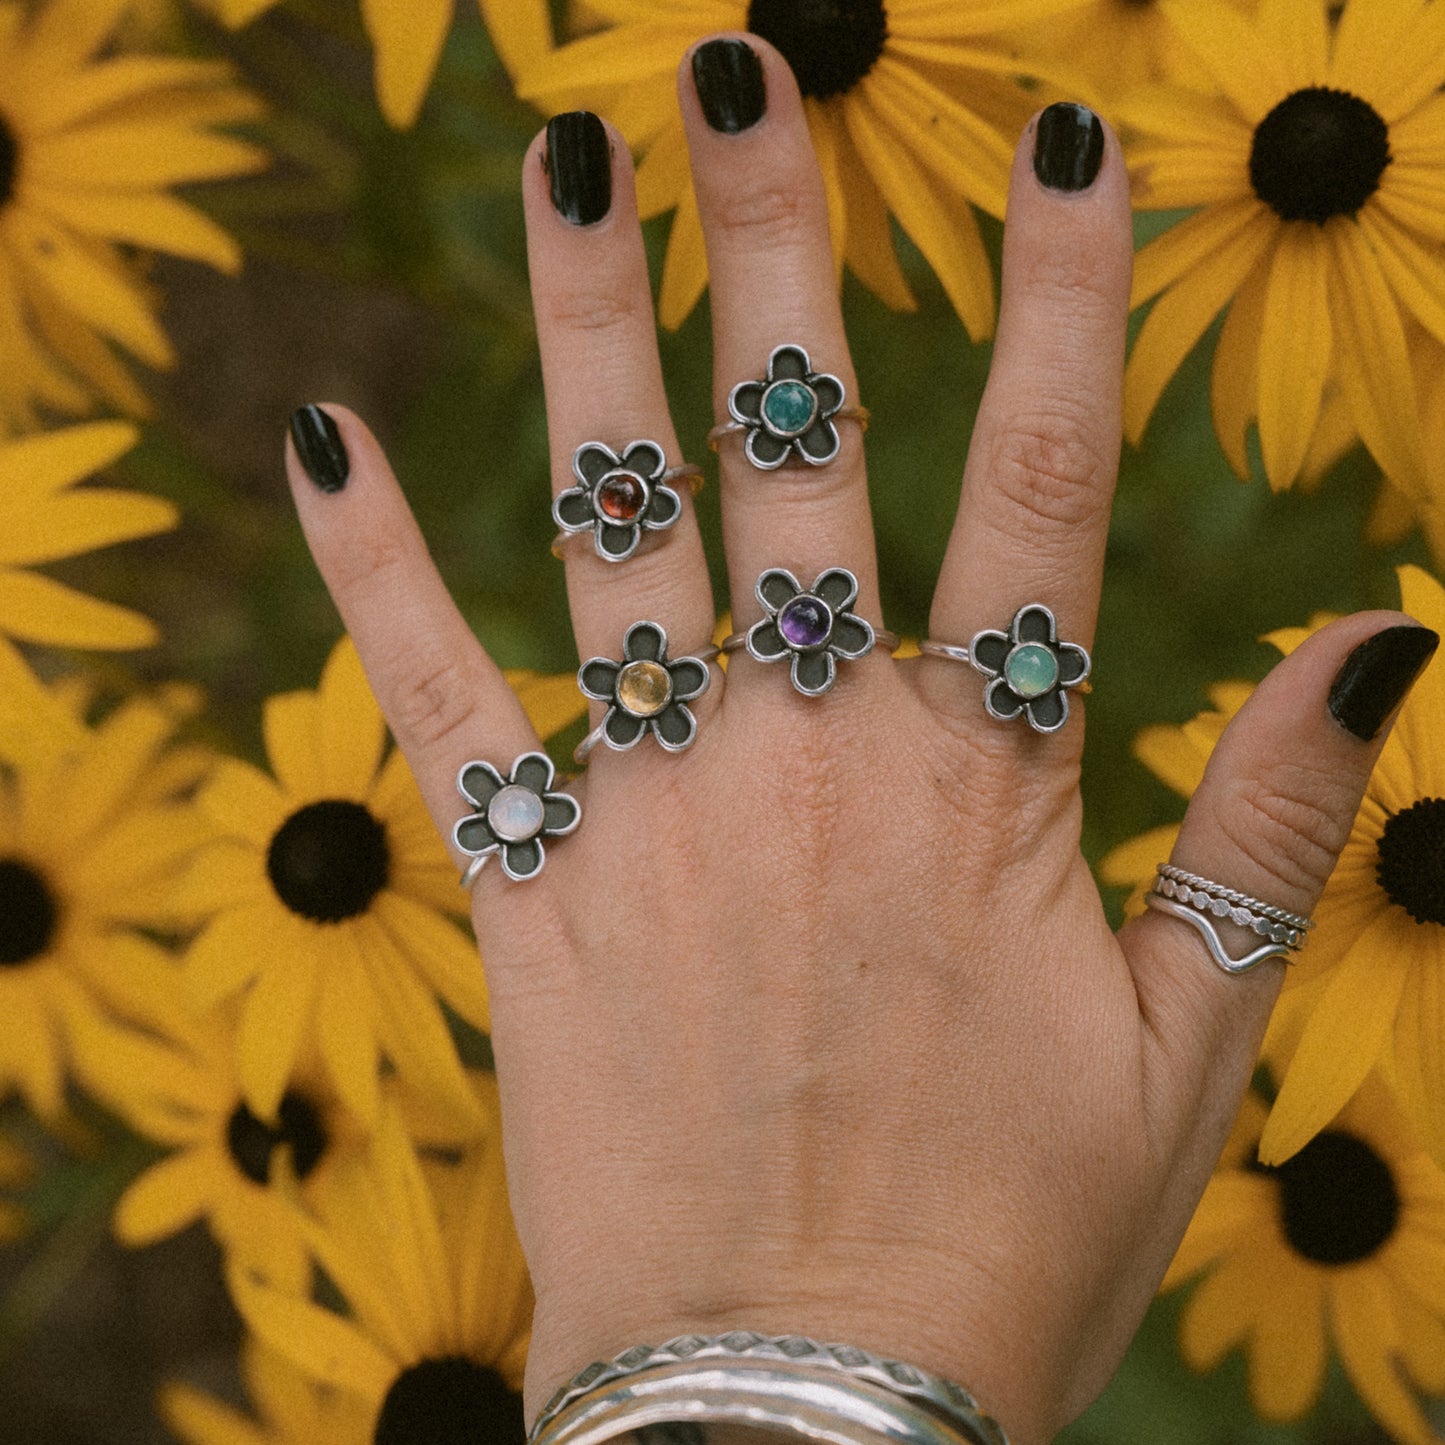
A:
[(788, 412), (1029, 667), (512, 815), (826, 1392), (645, 692), (1198, 901), (617, 498), (810, 625)]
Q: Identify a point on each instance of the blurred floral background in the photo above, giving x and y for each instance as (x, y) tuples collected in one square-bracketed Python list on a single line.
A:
[(250, 1188)]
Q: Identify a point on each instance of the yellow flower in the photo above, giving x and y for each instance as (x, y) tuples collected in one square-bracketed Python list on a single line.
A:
[(408, 36), (1343, 1245), (1315, 154), (440, 1306), (43, 518), (88, 149), (1373, 969), (913, 110), (294, 1410), (326, 888), (90, 851)]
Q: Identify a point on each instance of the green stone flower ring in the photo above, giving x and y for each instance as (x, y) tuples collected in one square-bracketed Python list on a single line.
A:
[(789, 413), (1029, 667), (618, 498), (1199, 902), (644, 692), (512, 815), (811, 626)]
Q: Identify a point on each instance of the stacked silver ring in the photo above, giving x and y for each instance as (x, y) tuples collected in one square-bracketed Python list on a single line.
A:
[(1200, 901)]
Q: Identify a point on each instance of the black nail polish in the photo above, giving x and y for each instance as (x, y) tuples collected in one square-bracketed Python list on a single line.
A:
[(579, 164), (1068, 147), (1376, 676), (730, 85), (319, 445)]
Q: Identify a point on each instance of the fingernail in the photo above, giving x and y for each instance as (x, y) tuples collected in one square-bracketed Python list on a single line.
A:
[(319, 445), (1068, 147), (730, 85), (1377, 675), (578, 162)]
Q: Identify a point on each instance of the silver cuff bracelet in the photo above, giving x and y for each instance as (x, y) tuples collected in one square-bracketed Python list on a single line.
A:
[(826, 1392)]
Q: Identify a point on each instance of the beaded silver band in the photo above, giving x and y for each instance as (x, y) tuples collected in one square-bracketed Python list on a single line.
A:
[(1200, 901), (818, 1390)]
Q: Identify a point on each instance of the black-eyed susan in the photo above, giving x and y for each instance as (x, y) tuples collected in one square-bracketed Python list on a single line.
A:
[(913, 108), (89, 148), (1312, 150), (292, 1409), (1373, 968), (44, 517), (407, 37), (91, 848), (1339, 1250), (440, 1306), (326, 888)]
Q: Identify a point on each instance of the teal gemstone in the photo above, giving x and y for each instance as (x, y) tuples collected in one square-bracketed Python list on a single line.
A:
[(1031, 669), (789, 408)]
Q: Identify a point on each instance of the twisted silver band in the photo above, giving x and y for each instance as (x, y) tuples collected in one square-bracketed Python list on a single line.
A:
[(1199, 902), (823, 1391)]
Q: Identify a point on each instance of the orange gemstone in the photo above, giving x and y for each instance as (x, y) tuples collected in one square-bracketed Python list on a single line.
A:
[(621, 497)]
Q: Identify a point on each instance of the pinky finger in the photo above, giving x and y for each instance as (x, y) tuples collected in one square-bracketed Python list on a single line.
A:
[(445, 700)]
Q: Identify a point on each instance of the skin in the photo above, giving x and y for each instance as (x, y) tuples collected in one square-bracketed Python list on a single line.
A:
[(861, 1059)]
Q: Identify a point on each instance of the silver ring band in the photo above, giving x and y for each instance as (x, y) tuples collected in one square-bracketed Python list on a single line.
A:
[(1202, 904), (882, 638), (860, 414)]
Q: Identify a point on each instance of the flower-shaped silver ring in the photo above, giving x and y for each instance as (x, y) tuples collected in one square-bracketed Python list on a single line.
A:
[(512, 815), (618, 498), (789, 413), (1028, 667), (812, 626), (644, 692)]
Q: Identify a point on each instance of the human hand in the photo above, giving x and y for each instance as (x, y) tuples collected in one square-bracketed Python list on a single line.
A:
[(818, 1026)]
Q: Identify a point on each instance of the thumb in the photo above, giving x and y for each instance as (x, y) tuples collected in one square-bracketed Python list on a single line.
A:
[(1274, 809)]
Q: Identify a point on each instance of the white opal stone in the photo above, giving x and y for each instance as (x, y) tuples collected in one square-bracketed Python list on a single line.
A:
[(515, 814)]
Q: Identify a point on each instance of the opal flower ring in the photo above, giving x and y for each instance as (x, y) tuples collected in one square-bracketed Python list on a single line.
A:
[(813, 627), (1028, 667), (510, 816), (788, 413), (645, 692), (619, 497)]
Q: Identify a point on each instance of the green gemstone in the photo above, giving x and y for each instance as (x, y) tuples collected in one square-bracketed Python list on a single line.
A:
[(1031, 669), (789, 407)]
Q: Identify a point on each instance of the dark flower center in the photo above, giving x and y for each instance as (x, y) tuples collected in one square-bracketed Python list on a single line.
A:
[(28, 913), (1319, 153), (252, 1141), (830, 44), (1410, 860), (450, 1401), (9, 162), (1338, 1201), (328, 860)]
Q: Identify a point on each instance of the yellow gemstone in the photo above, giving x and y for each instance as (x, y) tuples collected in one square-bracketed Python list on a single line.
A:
[(644, 688)]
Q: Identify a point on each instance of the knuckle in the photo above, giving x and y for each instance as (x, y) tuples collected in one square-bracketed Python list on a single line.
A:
[(596, 309), (431, 702), (767, 215), (364, 561), (1287, 821), (1050, 468)]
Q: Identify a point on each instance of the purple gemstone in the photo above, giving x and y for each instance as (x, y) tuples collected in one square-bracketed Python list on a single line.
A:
[(805, 622)]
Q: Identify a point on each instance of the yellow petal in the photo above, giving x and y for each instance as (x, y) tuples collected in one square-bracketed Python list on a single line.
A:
[(166, 1198), (663, 177), (1297, 37), (290, 727), (441, 953), (1365, 1329), (76, 522), (140, 156), (39, 609), (353, 731), (869, 250), (200, 1420), (244, 803), (65, 33), (1374, 363), (1234, 376), (684, 271), (345, 1033), (114, 81), (275, 1019), (1419, 1043), (226, 955), (1342, 1040), (633, 54), (521, 31), (1294, 350), (1233, 1204), (1228, 47), (408, 41), (34, 466), (1287, 1353), (1415, 273), (1167, 752), (1216, 1316), (1224, 252), (35, 727)]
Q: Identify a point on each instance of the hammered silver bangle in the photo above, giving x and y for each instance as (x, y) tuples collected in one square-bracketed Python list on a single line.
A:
[(826, 1392)]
